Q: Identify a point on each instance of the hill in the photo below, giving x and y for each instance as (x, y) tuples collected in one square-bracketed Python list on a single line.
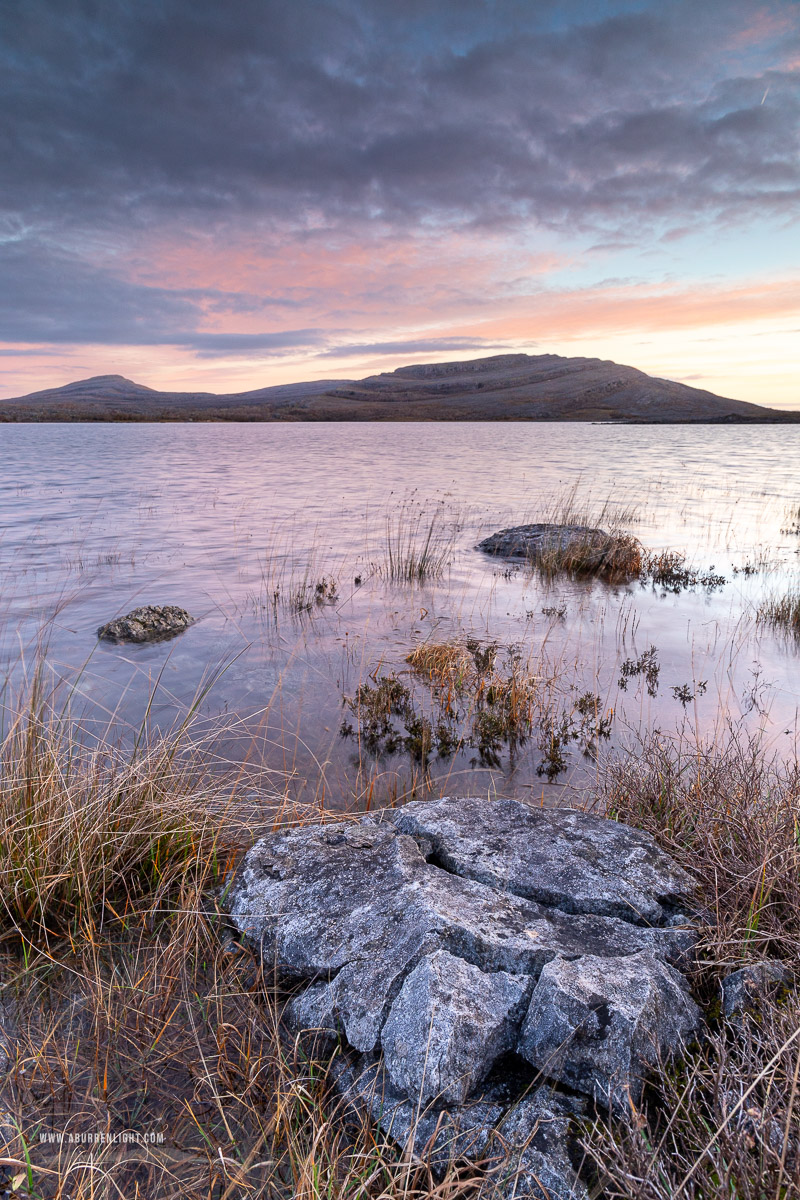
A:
[(505, 387)]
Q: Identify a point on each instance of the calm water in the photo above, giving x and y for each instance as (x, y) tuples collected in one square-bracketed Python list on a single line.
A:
[(97, 519)]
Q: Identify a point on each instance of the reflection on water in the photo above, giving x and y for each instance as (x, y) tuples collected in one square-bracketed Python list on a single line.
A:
[(284, 540)]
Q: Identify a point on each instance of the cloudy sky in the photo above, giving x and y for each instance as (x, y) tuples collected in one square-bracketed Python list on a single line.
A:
[(218, 196)]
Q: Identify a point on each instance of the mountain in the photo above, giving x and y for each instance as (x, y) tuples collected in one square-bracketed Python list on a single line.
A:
[(505, 387)]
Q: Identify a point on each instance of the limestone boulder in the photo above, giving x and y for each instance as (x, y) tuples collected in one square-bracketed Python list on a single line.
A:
[(457, 949), (582, 549), (449, 1024), (151, 623)]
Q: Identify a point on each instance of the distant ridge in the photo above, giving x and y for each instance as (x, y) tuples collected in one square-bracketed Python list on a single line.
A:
[(505, 387)]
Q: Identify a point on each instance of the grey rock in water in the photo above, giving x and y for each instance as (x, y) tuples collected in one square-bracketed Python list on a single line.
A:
[(600, 1025), (151, 623), (584, 548), (449, 1024), (417, 938), (746, 989), (561, 857)]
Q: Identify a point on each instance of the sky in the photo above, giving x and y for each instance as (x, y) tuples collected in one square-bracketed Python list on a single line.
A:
[(209, 196)]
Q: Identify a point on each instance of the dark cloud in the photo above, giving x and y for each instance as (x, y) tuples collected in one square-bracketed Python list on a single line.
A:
[(50, 296), (413, 346), (134, 115), (291, 111)]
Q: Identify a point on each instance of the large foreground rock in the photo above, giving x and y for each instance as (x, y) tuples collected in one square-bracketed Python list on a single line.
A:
[(151, 623), (355, 906), (440, 941), (582, 549)]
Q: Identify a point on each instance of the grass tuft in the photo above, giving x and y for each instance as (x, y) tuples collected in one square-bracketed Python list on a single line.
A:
[(616, 558), (89, 831), (782, 612), (418, 545), (726, 1123)]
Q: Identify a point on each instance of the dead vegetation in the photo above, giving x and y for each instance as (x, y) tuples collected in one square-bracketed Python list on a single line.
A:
[(727, 1123), (145, 1055)]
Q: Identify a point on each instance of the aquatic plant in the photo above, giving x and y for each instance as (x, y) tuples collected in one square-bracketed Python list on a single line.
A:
[(418, 543), (646, 665), (668, 569), (782, 611)]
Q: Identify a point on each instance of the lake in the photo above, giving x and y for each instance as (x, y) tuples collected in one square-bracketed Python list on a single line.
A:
[(278, 539)]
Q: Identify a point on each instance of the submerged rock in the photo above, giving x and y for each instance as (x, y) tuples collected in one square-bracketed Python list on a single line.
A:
[(437, 940), (151, 623), (581, 549)]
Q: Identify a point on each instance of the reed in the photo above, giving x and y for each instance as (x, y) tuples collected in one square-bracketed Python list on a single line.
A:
[(418, 543)]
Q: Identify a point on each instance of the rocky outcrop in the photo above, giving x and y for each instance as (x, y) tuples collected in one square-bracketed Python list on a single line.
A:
[(578, 549), (444, 939), (151, 623)]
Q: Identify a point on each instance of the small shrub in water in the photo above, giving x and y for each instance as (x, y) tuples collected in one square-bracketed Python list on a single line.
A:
[(645, 665)]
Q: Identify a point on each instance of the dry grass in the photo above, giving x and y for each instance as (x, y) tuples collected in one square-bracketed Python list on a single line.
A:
[(730, 815), (727, 1123), (618, 558), (132, 1011), (146, 1057), (89, 831)]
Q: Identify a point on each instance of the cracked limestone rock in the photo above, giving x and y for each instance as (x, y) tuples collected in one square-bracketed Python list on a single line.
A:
[(431, 1133), (600, 1025), (535, 1151), (151, 623), (571, 860), (417, 937), (746, 989), (449, 1024), (355, 907)]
